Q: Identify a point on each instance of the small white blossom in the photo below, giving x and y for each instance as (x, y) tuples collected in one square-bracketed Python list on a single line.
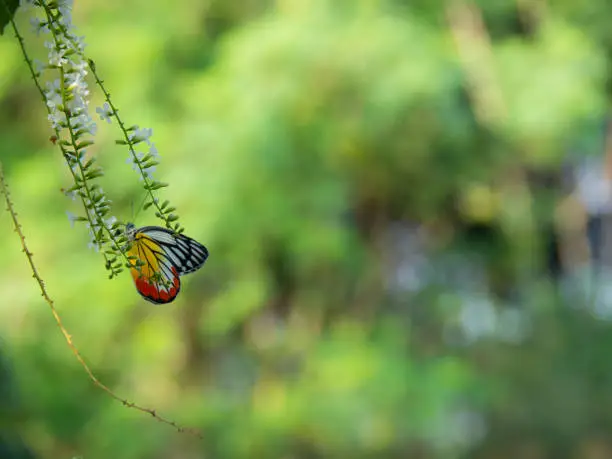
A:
[(148, 173), (92, 128), (57, 119), (105, 112), (153, 151), (38, 26), (54, 101), (56, 57), (141, 135), (53, 86), (80, 121), (75, 81), (65, 9), (80, 67), (53, 95), (79, 44), (110, 221), (72, 195), (135, 161), (39, 66), (71, 218)]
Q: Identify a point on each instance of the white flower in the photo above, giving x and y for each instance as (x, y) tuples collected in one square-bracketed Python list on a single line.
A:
[(76, 82), (105, 112), (79, 44), (54, 101), (38, 25), (56, 57), (148, 173), (53, 94), (57, 119), (153, 151), (141, 135), (110, 221), (65, 9), (92, 128), (135, 161), (39, 66), (80, 66), (53, 86), (71, 218), (80, 121), (72, 195)]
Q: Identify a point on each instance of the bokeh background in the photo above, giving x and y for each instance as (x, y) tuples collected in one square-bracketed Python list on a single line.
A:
[(406, 205)]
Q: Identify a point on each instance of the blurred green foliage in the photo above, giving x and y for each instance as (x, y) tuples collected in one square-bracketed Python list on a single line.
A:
[(379, 283)]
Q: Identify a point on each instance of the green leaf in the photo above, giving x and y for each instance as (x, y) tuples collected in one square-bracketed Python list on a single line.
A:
[(7, 12), (94, 174), (89, 162), (73, 188), (148, 164), (157, 185), (84, 143)]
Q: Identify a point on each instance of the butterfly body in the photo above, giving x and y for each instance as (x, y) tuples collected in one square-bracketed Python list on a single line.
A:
[(159, 257)]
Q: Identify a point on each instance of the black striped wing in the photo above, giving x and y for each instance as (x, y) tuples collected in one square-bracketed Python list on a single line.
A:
[(186, 255)]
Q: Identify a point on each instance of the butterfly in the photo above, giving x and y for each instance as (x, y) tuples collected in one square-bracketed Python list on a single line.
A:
[(159, 257)]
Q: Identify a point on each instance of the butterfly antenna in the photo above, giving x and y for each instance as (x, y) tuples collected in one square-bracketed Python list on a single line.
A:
[(139, 208)]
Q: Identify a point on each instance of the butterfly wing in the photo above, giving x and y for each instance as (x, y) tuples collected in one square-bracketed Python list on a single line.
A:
[(190, 254), (157, 279), (186, 254)]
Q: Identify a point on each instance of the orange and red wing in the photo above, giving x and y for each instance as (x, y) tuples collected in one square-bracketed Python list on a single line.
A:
[(157, 279)]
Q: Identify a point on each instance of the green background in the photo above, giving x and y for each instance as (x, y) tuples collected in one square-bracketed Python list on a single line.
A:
[(378, 282)]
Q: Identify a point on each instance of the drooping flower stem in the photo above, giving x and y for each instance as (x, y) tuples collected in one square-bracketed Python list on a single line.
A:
[(66, 106)]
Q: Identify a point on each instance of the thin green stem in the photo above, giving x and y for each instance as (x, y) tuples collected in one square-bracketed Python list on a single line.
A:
[(129, 143)]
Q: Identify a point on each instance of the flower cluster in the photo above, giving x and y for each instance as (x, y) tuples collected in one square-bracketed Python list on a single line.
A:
[(67, 100)]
